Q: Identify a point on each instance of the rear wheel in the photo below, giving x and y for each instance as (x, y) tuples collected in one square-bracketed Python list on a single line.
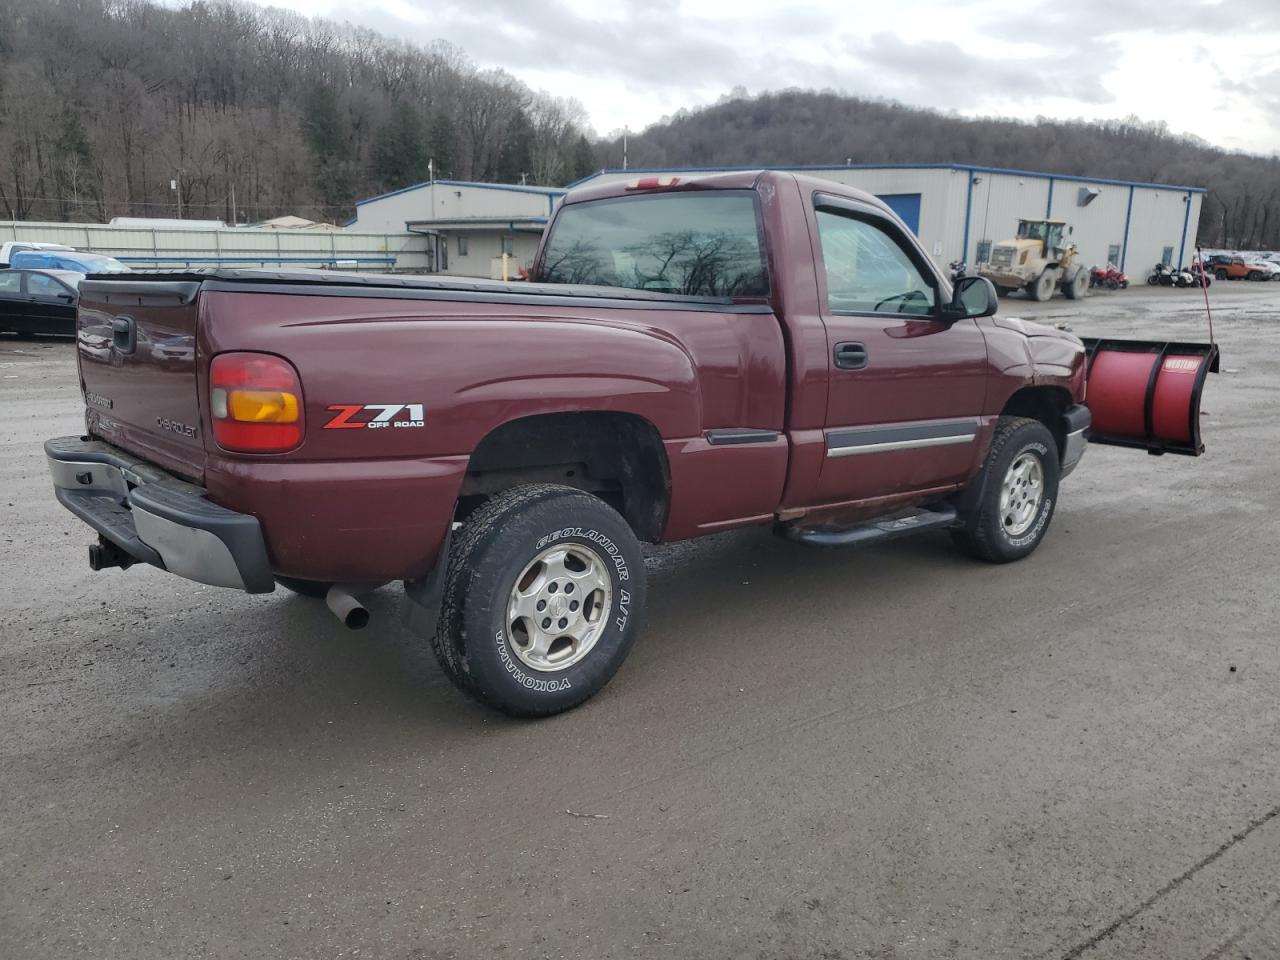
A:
[(1220, 274), (542, 600), (1018, 493), (1255, 274), (1077, 288), (1042, 287)]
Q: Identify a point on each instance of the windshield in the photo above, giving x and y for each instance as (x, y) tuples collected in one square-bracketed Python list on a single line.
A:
[(1030, 231), (697, 244)]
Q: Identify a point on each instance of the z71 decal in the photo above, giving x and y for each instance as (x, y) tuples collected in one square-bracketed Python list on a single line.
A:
[(357, 416)]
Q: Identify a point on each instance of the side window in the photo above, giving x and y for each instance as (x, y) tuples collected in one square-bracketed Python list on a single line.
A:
[(868, 271), (10, 281), (462, 246), (40, 285)]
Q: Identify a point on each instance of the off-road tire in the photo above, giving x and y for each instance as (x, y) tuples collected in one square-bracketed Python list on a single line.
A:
[(305, 588), (980, 532), (493, 547), (1041, 288), (1078, 287)]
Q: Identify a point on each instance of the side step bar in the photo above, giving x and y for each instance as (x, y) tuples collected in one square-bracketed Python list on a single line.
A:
[(886, 528)]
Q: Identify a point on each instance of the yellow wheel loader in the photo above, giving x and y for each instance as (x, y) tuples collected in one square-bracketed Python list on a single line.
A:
[(1037, 260)]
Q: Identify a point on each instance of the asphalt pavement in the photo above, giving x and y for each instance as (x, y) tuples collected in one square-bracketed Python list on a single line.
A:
[(888, 752)]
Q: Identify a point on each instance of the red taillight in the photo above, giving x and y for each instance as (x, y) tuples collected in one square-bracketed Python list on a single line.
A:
[(255, 401)]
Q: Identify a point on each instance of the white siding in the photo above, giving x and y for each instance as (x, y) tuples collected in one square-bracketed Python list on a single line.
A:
[(452, 201)]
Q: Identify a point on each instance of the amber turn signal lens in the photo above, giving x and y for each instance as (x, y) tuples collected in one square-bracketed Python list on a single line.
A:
[(256, 403), (262, 406)]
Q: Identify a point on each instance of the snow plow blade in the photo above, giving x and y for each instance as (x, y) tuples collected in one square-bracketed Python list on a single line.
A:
[(1146, 393)]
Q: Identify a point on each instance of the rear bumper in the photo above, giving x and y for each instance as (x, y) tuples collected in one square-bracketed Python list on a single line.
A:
[(1076, 422), (156, 518)]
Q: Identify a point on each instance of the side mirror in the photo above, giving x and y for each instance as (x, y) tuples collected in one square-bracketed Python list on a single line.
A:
[(972, 297)]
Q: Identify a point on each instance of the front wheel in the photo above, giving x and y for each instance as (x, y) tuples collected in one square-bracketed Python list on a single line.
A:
[(1019, 488), (542, 600)]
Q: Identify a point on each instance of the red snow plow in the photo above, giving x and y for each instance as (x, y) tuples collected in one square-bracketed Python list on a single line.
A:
[(1146, 394)]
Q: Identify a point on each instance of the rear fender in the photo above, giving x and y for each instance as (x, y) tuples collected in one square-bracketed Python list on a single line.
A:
[(1146, 393)]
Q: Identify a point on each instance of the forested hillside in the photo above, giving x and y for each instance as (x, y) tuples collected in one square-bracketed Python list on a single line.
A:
[(1242, 209), (104, 103)]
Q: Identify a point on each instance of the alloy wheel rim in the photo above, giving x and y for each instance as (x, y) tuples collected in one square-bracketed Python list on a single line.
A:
[(1021, 494), (559, 607)]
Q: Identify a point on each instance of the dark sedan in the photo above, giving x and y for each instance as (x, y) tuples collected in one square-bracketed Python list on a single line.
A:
[(39, 301)]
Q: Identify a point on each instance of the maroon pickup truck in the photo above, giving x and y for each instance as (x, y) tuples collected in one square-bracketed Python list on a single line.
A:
[(693, 356)]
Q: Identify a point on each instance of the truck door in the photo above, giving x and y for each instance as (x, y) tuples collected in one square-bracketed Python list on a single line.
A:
[(906, 389)]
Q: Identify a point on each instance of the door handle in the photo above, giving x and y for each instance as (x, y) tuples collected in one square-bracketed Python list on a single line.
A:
[(850, 356)]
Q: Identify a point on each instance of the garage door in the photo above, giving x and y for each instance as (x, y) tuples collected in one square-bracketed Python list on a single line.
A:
[(907, 206)]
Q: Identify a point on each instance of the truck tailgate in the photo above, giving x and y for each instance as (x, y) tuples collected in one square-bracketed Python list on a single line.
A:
[(136, 345)]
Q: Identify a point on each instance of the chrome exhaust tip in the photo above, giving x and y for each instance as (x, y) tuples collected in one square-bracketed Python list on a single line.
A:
[(353, 614)]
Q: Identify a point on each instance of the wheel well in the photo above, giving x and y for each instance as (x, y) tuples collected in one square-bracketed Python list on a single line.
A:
[(1046, 404), (619, 457)]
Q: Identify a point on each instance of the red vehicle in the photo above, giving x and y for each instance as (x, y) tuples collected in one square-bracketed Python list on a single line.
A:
[(1110, 276), (692, 356)]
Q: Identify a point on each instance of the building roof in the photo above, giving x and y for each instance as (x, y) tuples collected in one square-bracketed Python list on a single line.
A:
[(969, 167), (513, 188)]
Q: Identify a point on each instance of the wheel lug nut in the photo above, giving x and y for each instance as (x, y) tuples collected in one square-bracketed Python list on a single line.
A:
[(546, 622), (542, 604), (568, 588), (573, 605), (564, 622), (553, 588)]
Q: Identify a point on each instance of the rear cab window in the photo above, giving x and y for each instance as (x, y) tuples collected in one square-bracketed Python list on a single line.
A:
[(694, 244)]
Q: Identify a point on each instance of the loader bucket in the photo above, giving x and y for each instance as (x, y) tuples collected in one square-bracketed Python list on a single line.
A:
[(1146, 393)]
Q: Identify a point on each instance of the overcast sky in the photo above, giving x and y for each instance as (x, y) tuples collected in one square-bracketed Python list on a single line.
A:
[(1205, 67)]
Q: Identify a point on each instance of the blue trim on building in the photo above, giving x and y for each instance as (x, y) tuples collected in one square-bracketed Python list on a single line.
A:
[(1186, 219), (546, 191), (968, 209), (972, 168), (1048, 207), (478, 221), (1124, 244)]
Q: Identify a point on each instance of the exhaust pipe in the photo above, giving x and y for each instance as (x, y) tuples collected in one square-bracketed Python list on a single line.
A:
[(346, 607)]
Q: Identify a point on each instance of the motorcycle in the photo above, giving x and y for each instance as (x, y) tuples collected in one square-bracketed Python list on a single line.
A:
[(1109, 276), (1167, 276), (1199, 275)]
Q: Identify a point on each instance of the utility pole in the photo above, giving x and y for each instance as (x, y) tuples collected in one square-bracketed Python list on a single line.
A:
[(176, 187), (235, 220), (431, 169), (624, 148)]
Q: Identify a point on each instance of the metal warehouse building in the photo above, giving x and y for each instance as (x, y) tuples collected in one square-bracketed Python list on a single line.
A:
[(958, 210), (466, 227)]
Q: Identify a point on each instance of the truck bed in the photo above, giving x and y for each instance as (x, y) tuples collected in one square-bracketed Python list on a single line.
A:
[(411, 287)]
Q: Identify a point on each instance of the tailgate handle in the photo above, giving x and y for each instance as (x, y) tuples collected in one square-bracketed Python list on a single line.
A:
[(124, 334)]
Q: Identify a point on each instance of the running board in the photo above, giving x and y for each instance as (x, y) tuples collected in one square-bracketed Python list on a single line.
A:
[(886, 528)]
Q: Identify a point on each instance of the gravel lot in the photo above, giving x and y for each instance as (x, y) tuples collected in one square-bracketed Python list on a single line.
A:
[(891, 752)]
